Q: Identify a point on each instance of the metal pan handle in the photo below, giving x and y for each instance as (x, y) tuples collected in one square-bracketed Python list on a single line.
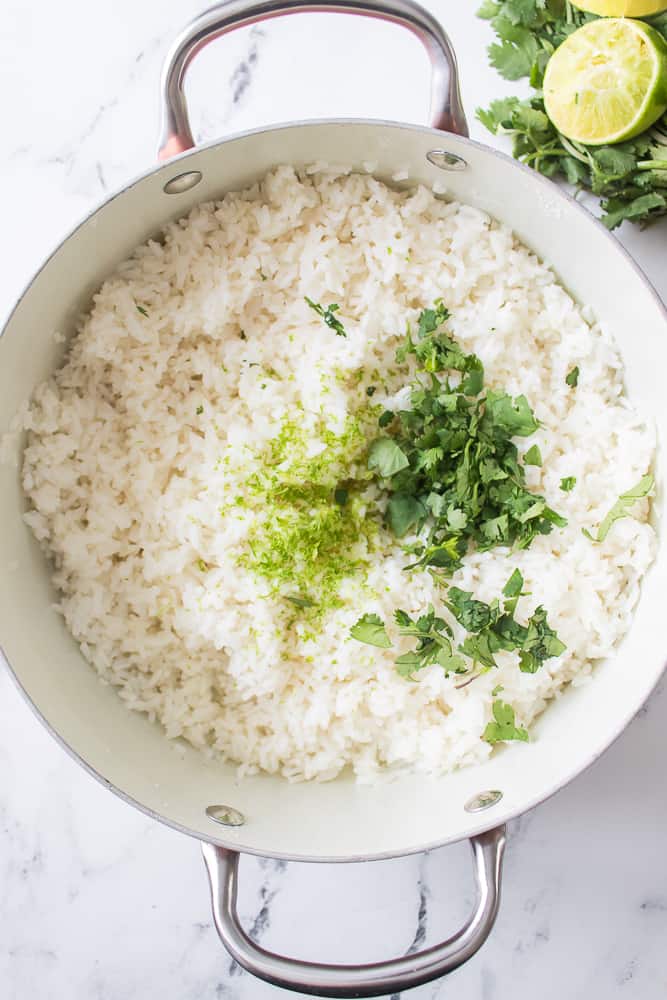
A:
[(379, 978), (446, 108)]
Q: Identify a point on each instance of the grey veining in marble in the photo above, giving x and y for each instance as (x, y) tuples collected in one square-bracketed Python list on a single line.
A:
[(97, 902)]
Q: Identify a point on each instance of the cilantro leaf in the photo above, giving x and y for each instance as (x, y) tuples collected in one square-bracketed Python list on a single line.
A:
[(541, 643), (514, 585), (386, 457), (572, 377), (533, 456), (503, 728), (623, 506), (404, 512), (473, 615), (371, 629), (568, 483), (433, 644), (328, 315), (507, 416)]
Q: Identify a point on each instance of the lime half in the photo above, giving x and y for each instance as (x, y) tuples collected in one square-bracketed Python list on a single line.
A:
[(607, 81), (622, 8)]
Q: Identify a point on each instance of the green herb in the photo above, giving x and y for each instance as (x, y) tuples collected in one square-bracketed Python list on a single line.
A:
[(301, 602), (489, 627), (493, 627), (622, 507), (371, 390), (630, 177), (202, 565), (385, 418), (514, 585), (568, 483), (572, 377), (341, 496), (497, 689), (450, 466), (503, 728), (533, 456), (434, 645), (142, 311), (261, 274), (199, 410), (328, 316), (371, 630), (386, 457)]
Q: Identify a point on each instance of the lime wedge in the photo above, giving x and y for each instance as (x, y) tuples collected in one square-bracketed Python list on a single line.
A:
[(621, 8), (607, 81)]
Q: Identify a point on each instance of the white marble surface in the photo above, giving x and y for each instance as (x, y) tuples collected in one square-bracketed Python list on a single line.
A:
[(96, 901)]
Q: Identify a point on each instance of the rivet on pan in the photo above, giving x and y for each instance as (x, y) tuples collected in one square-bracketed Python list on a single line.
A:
[(446, 161), (225, 815), (182, 182), (483, 801)]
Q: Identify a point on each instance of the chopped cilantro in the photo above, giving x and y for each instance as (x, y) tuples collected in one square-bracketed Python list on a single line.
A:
[(514, 585), (371, 630), (202, 565), (386, 457), (328, 315), (451, 467), (142, 311), (572, 377), (568, 483), (533, 456), (371, 390), (489, 627), (493, 627), (434, 645), (503, 728), (622, 507), (199, 410), (341, 496)]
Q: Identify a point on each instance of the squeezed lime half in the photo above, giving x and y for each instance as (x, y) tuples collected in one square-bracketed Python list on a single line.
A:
[(607, 82)]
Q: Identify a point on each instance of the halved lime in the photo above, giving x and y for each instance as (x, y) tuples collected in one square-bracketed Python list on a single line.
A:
[(621, 8), (607, 81)]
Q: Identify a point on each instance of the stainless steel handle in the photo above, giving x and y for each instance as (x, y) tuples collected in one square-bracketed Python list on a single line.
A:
[(378, 978), (446, 108)]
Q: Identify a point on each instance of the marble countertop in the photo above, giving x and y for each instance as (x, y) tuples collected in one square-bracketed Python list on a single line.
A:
[(97, 902)]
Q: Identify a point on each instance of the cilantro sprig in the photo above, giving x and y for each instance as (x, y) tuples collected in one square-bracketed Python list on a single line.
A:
[(449, 462), (630, 177), (503, 727), (329, 316), (622, 507), (434, 644), (493, 627), (489, 629)]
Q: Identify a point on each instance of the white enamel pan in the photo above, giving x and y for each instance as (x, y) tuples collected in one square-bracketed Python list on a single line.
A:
[(337, 821)]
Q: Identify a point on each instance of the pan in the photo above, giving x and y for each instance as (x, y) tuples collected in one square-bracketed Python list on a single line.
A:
[(339, 821)]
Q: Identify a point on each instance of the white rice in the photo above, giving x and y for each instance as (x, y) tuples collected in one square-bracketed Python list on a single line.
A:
[(133, 492)]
